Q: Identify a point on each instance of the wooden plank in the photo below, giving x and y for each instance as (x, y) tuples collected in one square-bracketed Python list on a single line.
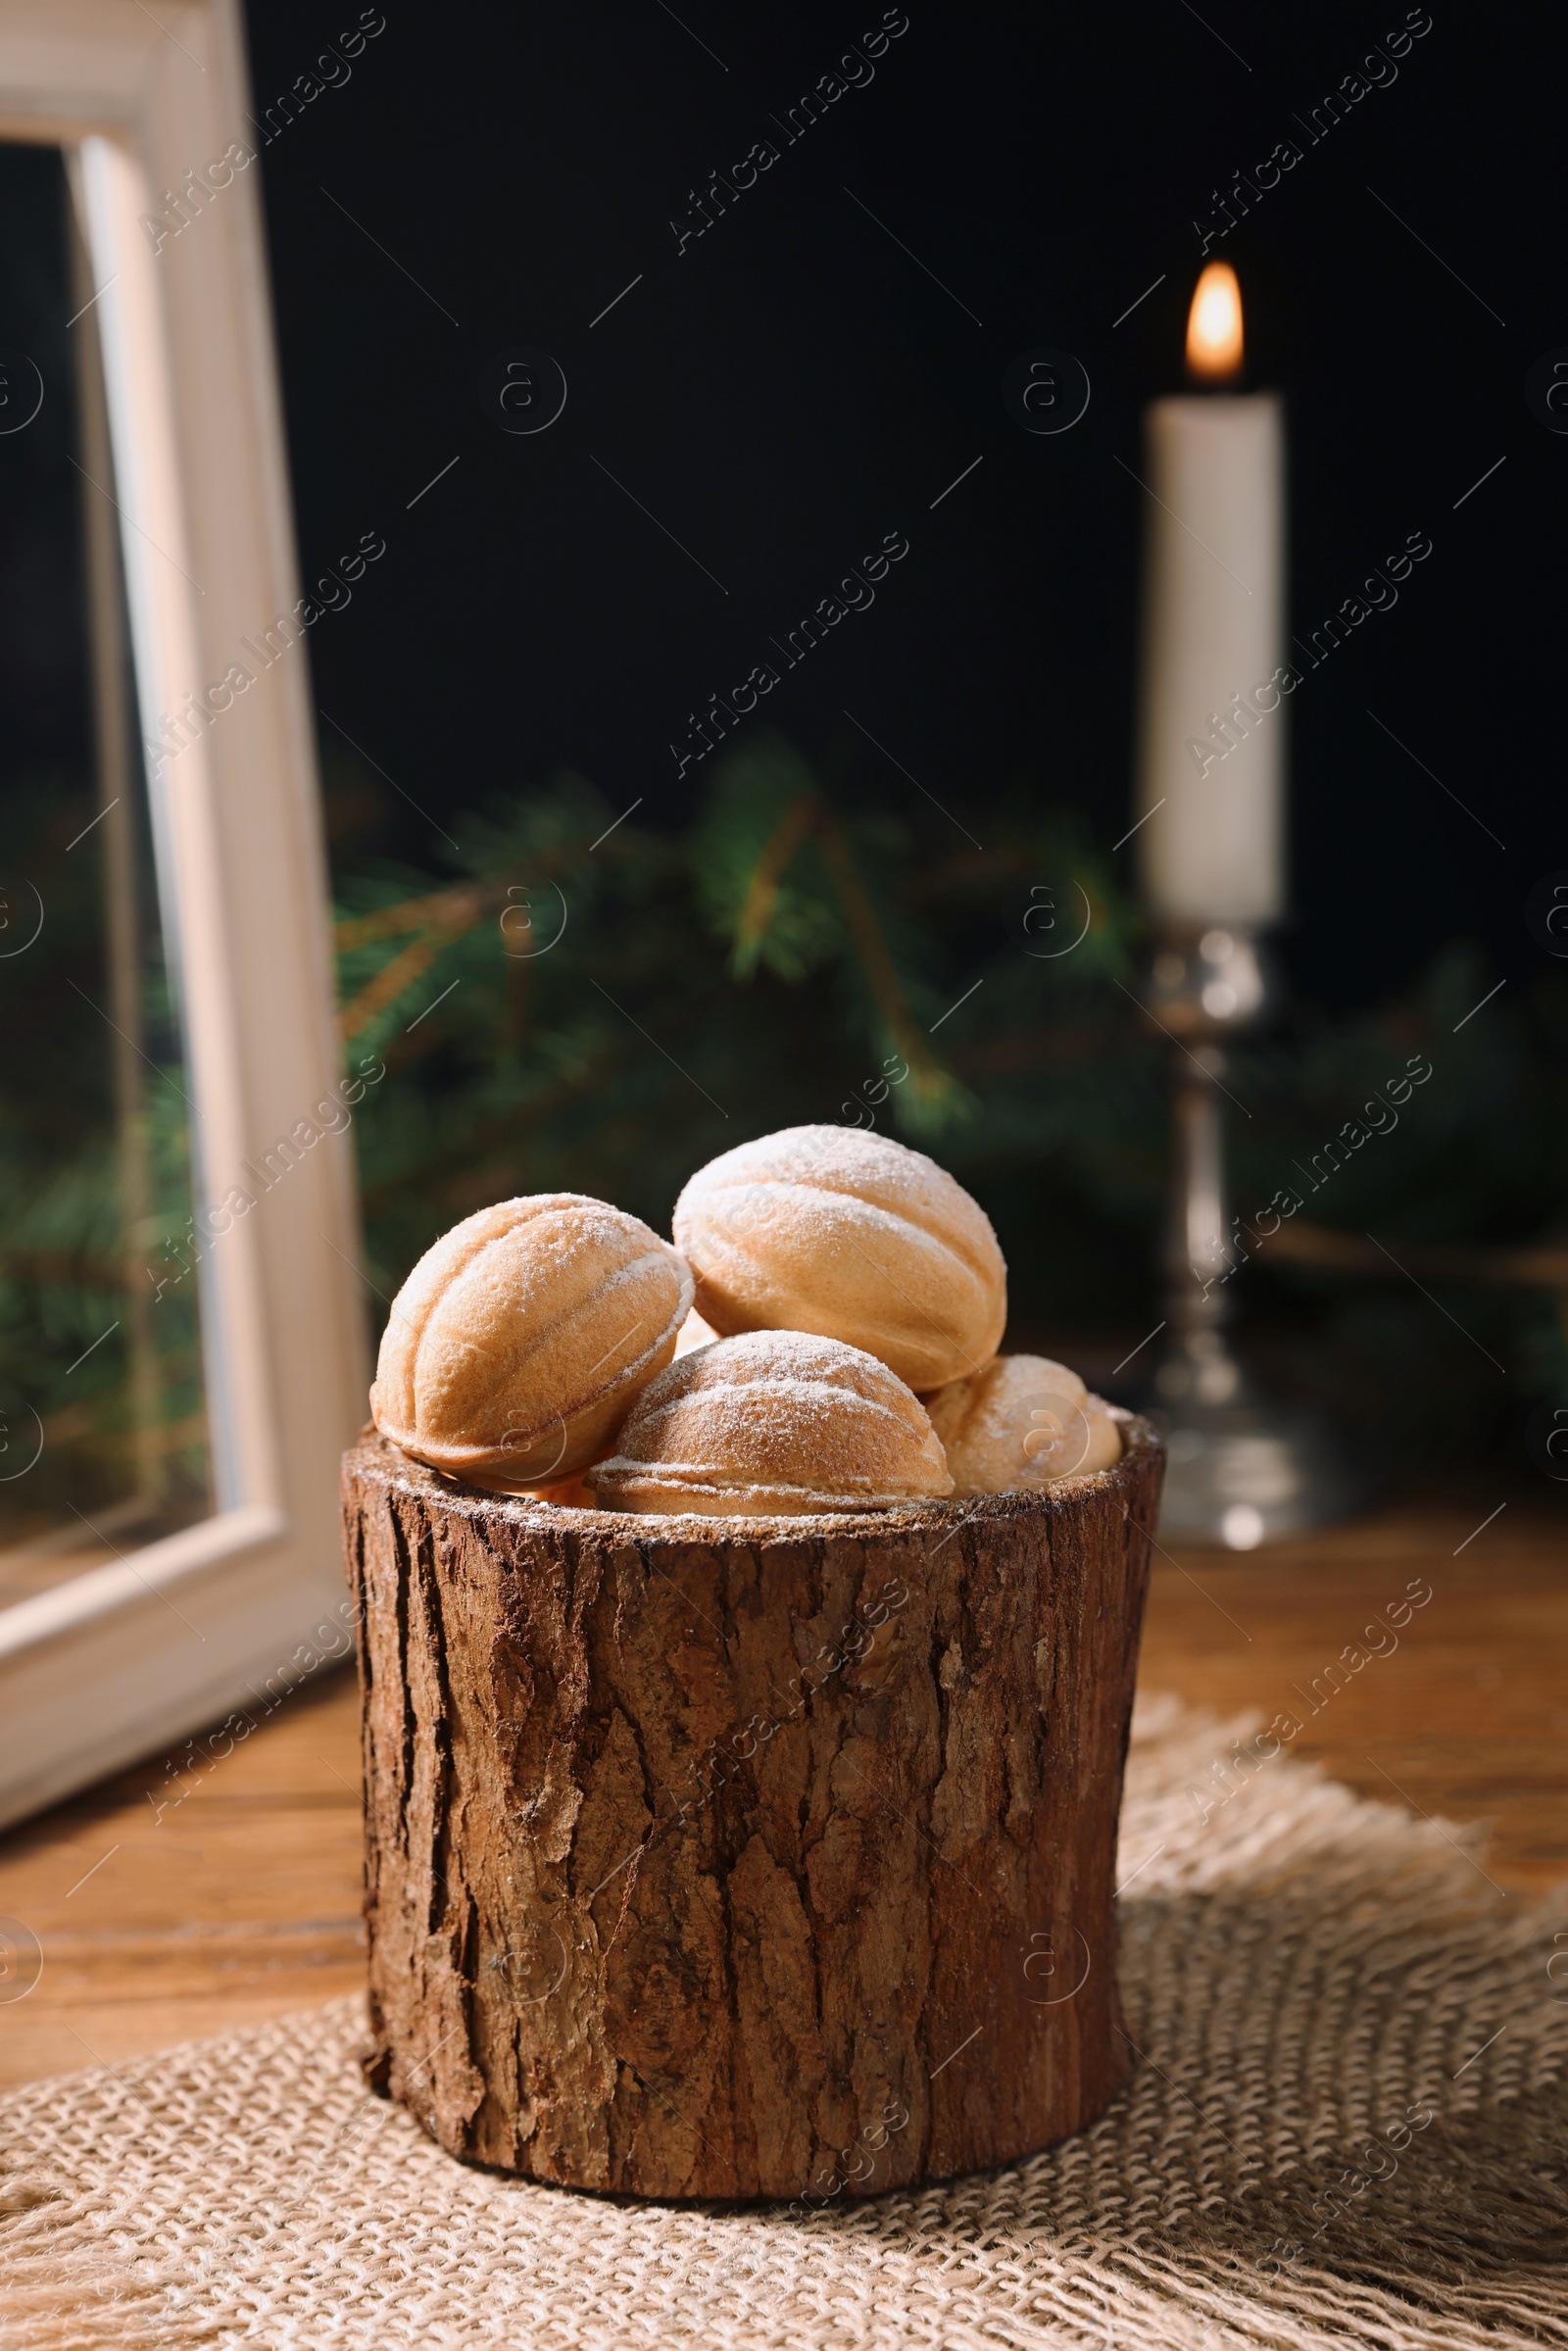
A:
[(1465, 1712), (240, 1902)]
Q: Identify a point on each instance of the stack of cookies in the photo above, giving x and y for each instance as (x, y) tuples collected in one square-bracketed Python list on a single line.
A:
[(821, 1337)]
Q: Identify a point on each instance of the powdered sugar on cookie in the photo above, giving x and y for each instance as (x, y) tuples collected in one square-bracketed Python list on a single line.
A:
[(776, 1423), (853, 1237)]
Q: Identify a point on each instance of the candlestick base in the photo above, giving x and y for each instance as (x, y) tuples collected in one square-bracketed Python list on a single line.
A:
[(1242, 1470)]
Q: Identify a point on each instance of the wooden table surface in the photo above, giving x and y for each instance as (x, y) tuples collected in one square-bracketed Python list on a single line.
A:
[(240, 1898)]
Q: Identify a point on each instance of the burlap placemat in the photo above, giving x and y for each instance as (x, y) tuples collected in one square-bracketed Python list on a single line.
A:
[(1347, 2125)]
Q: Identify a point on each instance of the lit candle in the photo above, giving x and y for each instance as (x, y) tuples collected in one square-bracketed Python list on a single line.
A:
[(1211, 784)]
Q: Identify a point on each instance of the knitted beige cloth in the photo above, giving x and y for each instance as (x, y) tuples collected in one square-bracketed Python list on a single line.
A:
[(1348, 2125)]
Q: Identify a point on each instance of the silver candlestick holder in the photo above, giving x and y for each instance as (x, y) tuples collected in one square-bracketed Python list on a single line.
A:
[(1242, 1469)]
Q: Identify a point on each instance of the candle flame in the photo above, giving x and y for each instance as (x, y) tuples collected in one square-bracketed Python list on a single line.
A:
[(1214, 325)]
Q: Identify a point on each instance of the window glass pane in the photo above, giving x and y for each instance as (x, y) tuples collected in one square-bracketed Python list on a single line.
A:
[(103, 1432)]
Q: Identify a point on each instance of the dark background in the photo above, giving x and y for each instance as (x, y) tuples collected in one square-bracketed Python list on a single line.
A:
[(794, 385), (781, 395)]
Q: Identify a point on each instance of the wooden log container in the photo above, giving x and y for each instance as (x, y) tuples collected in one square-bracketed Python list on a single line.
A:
[(746, 1858)]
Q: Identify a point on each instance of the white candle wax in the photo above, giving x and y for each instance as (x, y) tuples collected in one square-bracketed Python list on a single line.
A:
[(1212, 763)]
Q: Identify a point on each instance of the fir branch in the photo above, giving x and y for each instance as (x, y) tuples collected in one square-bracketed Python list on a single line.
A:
[(408, 965), (481, 1143), (799, 820), (934, 1086), (1325, 1246), (964, 868), (809, 816), (455, 909)]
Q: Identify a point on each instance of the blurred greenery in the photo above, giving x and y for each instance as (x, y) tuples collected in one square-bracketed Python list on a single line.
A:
[(571, 1001), (601, 1010), (76, 1279)]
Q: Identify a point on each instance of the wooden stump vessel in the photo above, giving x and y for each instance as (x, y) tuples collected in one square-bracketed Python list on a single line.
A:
[(746, 1858)]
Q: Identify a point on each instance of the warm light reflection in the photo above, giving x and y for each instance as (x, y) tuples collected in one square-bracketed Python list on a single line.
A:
[(1214, 325)]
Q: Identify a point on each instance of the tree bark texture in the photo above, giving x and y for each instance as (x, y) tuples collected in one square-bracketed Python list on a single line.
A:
[(738, 1859)]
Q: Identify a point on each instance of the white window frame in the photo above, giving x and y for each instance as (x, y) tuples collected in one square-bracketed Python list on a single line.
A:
[(129, 1658)]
